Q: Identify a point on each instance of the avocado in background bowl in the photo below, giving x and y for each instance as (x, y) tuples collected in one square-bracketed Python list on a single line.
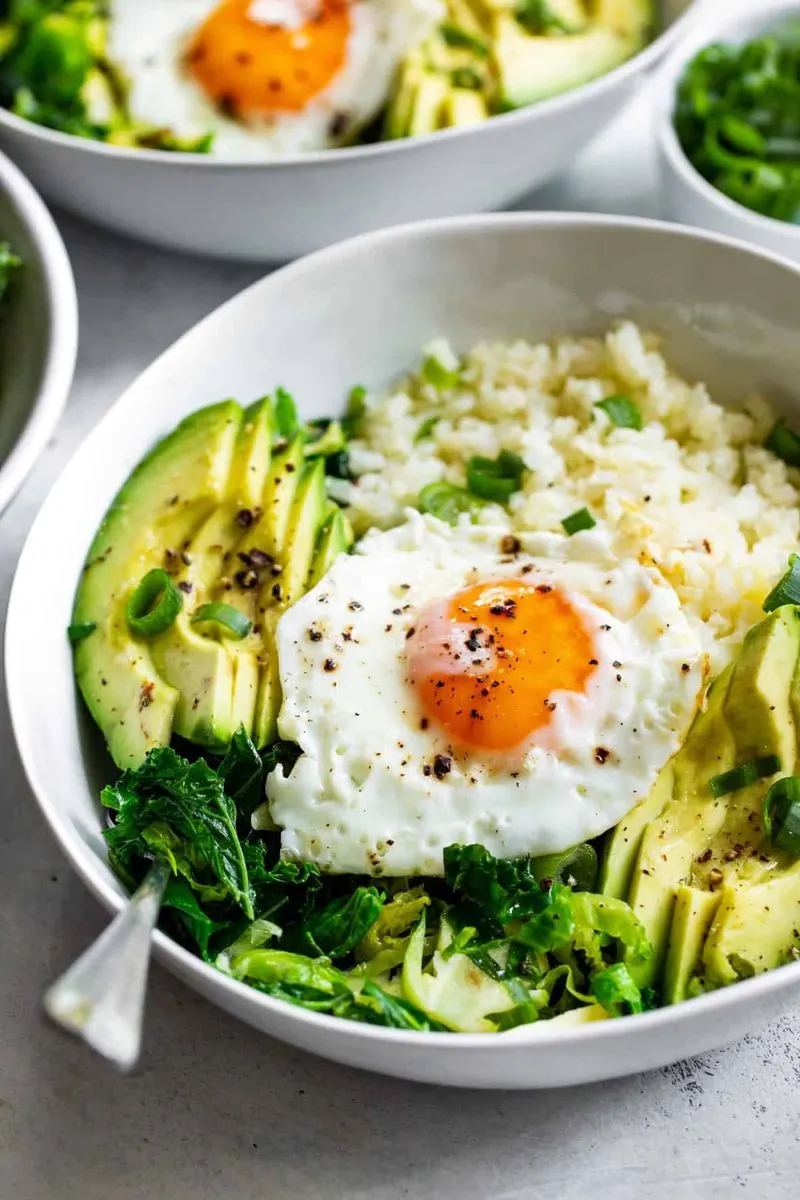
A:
[(459, 66)]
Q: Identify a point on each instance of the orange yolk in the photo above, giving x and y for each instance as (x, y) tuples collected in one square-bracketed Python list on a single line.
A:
[(486, 662), (251, 69)]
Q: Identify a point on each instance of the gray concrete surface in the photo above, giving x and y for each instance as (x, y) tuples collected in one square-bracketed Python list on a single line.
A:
[(218, 1111)]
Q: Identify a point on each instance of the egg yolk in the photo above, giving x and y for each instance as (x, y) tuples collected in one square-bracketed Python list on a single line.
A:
[(250, 68), (486, 662)]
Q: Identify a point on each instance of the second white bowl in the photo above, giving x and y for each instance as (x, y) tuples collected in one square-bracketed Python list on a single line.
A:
[(688, 197), (277, 210)]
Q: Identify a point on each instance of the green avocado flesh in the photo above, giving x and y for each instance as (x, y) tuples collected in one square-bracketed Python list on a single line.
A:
[(486, 58), (483, 57), (234, 518), (718, 901)]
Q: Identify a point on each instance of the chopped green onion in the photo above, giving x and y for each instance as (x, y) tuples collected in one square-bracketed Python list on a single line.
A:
[(466, 77), (327, 439), (438, 375), (286, 415), (781, 813), (337, 466), (462, 39), (446, 502), (744, 775), (230, 618), (784, 442), (495, 478), (578, 521), (426, 428), (154, 605), (355, 412), (576, 867), (621, 411), (536, 16), (77, 633), (787, 591)]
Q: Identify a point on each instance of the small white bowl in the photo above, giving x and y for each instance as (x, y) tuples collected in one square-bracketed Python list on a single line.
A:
[(360, 312), (273, 211), (688, 197), (38, 332)]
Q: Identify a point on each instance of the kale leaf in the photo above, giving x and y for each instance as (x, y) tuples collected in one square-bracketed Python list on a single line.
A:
[(178, 812)]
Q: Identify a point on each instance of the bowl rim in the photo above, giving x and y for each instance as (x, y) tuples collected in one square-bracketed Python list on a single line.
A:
[(62, 348), (204, 977), (182, 160), (703, 34)]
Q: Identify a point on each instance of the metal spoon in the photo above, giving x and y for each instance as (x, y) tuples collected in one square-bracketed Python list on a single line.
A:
[(101, 997)]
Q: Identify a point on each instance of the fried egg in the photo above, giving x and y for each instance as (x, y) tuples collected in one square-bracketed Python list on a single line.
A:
[(460, 685), (263, 76)]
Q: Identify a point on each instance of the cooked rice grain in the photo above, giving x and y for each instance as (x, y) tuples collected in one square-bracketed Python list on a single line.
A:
[(694, 492)]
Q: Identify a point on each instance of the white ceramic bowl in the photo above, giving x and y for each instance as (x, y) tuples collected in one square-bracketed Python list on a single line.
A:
[(688, 197), (277, 210), (38, 333), (727, 313)]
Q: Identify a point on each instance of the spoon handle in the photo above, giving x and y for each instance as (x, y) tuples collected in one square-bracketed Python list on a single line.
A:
[(101, 996)]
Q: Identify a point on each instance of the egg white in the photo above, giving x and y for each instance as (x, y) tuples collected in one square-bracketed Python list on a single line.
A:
[(359, 798), (148, 38)]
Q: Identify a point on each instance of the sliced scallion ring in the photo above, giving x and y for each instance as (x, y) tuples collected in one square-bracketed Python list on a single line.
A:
[(744, 775), (234, 622), (781, 814), (578, 521), (154, 604), (447, 502), (79, 632), (621, 411), (495, 478), (787, 591), (784, 442)]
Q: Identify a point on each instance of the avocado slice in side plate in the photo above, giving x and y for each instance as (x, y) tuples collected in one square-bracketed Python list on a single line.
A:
[(165, 501)]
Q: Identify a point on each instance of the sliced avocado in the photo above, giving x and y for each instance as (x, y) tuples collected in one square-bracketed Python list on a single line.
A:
[(756, 710), (306, 516), (335, 538), (673, 843), (217, 678), (465, 106), (755, 928), (428, 105), (622, 846), (253, 456), (533, 67), (161, 506), (268, 534), (305, 521), (398, 115), (98, 99), (579, 1016), (691, 919)]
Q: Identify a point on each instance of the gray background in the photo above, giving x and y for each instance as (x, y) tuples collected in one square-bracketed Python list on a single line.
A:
[(217, 1110)]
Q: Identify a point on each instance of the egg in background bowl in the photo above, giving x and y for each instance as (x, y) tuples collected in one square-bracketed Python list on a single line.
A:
[(265, 77)]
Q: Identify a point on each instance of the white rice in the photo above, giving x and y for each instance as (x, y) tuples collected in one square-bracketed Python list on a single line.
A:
[(694, 492)]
